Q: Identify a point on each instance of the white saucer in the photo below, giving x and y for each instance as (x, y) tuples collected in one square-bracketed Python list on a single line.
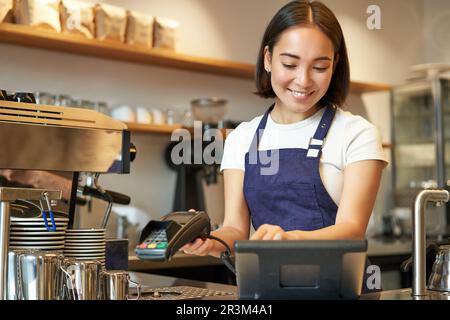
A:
[(96, 241), (37, 243), (14, 238), (36, 229), (40, 223), (38, 233), (41, 219), (37, 247)]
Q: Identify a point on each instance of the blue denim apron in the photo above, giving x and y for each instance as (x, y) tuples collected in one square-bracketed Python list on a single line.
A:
[(293, 197)]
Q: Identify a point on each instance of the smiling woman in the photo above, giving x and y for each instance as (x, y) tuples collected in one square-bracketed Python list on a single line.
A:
[(299, 80), (325, 163)]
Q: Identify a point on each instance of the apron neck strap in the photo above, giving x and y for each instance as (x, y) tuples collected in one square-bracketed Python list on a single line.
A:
[(316, 143), (325, 123), (260, 130), (320, 134)]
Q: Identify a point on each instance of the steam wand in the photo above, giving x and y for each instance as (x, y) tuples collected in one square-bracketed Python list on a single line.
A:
[(110, 197), (107, 197)]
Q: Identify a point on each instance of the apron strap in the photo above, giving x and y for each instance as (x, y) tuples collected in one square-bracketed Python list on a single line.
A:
[(316, 142), (259, 132)]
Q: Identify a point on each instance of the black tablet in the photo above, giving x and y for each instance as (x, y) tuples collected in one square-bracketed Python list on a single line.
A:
[(316, 269)]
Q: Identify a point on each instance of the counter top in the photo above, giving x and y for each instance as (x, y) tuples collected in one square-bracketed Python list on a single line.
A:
[(405, 294), (376, 247), (179, 260), (164, 284), (161, 284), (389, 247)]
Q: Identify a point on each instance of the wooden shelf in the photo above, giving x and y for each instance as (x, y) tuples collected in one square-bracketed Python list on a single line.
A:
[(362, 87), (163, 128), (152, 128), (45, 39), (168, 129)]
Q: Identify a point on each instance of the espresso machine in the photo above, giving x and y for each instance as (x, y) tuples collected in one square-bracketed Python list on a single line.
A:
[(63, 140)]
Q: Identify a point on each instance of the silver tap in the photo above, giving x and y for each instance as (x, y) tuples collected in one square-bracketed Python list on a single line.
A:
[(419, 237)]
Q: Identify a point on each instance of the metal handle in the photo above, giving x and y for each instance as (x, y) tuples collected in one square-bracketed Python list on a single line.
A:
[(106, 195), (71, 285), (53, 228), (19, 279), (138, 289), (4, 246)]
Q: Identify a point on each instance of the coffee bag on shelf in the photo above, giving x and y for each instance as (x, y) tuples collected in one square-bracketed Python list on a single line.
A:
[(77, 18), (165, 33), (110, 22), (38, 13), (139, 29), (6, 11)]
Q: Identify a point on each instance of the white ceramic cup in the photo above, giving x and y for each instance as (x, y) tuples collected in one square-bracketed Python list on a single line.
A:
[(124, 113), (143, 115), (158, 116)]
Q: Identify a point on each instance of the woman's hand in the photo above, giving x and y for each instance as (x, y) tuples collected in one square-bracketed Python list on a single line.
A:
[(199, 247), (271, 232)]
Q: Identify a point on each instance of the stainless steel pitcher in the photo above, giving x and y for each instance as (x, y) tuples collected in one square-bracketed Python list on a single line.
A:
[(440, 274), (13, 292), (115, 285), (38, 275), (81, 279)]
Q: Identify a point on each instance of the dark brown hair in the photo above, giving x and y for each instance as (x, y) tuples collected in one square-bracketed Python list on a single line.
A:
[(307, 13)]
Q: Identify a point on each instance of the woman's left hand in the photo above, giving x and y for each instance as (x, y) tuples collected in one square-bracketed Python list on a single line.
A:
[(271, 232)]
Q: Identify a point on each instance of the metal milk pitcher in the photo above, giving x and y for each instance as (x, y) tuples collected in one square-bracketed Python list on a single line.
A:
[(115, 285), (38, 275), (81, 279), (13, 266), (440, 274)]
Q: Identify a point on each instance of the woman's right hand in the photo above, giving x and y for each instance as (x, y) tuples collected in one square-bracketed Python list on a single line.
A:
[(198, 247)]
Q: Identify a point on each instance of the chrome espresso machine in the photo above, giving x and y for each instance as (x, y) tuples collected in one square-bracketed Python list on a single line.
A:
[(55, 139)]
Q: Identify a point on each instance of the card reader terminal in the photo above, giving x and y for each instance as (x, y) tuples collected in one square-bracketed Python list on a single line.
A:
[(160, 240)]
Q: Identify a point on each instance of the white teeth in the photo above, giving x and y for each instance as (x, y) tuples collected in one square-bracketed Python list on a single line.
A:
[(300, 94)]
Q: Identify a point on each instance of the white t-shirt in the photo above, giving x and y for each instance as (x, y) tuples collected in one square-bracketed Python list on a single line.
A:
[(350, 138)]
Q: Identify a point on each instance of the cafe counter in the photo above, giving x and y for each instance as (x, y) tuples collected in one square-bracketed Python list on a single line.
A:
[(157, 287)]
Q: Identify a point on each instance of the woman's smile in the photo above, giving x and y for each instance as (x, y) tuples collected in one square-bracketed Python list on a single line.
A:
[(301, 96)]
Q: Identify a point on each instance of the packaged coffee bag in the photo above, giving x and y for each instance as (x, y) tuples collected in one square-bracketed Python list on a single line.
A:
[(77, 18), (165, 33), (110, 22), (6, 11), (38, 13), (139, 29)]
